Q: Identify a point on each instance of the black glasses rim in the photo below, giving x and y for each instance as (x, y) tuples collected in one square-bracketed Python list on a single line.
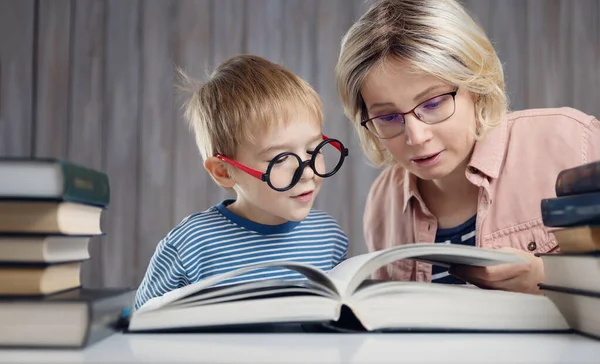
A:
[(343, 153), (266, 177), (452, 93)]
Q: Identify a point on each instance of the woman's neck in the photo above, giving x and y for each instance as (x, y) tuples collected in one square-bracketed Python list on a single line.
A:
[(453, 185), (453, 199)]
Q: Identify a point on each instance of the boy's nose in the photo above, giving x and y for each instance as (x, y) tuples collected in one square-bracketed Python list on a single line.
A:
[(307, 172)]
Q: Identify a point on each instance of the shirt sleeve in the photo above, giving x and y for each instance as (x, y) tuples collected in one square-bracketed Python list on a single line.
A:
[(593, 147), (165, 273), (372, 223)]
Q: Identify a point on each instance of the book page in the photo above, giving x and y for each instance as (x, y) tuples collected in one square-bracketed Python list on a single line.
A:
[(343, 273), (312, 273), (351, 273)]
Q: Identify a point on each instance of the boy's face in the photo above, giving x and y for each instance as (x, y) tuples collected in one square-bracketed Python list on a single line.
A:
[(258, 202)]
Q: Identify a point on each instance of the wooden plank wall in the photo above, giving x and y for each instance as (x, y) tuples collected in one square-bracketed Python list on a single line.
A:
[(93, 81)]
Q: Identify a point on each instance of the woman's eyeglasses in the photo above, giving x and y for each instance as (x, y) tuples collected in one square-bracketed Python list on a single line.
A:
[(432, 111)]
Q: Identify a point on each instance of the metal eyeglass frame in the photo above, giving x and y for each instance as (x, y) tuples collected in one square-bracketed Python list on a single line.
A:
[(412, 111)]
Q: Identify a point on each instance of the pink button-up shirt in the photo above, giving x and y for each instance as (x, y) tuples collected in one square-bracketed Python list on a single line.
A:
[(515, 167)]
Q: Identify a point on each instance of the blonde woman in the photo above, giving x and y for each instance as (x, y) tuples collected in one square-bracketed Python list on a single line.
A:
[(424, 88)]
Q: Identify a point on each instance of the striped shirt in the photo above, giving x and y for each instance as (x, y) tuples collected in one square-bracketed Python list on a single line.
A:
[(216, 241), (462, 234)]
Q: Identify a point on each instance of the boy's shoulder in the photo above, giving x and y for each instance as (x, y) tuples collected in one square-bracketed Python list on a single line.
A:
[(316, 214), (320, 218), (203, 225), (212, 226)]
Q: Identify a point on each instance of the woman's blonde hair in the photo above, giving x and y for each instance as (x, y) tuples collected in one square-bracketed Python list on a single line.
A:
[(244, 98), (437, 37)]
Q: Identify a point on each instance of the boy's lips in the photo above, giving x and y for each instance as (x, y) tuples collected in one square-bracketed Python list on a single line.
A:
[(304, 196)]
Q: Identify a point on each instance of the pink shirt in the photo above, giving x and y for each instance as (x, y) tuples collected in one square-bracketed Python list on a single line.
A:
[(515, 167)]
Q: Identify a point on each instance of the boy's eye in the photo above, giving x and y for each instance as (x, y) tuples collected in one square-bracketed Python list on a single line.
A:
[(280, 159)]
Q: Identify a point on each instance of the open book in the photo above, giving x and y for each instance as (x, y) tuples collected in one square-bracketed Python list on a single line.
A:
[(375, 305)]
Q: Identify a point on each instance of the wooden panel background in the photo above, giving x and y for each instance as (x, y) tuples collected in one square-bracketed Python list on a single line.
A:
[(93, 81)]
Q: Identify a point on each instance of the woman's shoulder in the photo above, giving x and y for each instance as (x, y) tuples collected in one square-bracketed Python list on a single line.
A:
[(390, 176), (555, 131), (544, 142), (387, 190), (550, 118)]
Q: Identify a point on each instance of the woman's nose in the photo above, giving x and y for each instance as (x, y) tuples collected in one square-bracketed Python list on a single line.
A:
[(417, 132)]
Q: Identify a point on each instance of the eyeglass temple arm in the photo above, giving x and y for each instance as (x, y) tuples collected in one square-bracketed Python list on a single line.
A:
[(334, 143), (250, 171)]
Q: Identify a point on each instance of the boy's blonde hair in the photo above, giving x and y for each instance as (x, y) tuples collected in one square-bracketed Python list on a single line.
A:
[(437, 37), (243, 98)]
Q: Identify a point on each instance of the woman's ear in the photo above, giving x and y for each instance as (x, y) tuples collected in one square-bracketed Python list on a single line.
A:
[(475, 97), (219, 172)]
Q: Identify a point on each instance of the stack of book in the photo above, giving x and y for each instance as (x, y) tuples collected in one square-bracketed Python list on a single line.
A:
[(573, 275), (49, 211)]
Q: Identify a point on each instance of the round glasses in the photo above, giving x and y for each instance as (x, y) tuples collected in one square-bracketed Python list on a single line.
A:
[(431, 111), (286, 169)]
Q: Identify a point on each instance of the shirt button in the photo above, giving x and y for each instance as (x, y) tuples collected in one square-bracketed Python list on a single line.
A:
[(531, 246), (473, 170)]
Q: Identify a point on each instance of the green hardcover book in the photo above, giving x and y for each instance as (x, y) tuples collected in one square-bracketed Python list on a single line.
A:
[(52, 179)]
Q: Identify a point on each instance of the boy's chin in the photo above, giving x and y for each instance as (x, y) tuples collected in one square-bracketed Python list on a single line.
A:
[(297, 217), (298, 214)]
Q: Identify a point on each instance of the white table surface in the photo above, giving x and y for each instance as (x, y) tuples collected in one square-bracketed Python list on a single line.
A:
[(323, 348)]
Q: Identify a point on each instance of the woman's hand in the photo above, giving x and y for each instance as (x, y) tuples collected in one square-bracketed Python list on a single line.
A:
[(516, 277)]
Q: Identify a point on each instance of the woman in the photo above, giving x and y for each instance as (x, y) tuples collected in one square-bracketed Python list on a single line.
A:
[(424, 88)]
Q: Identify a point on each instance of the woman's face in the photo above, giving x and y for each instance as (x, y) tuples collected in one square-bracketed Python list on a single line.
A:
[(430, 151)]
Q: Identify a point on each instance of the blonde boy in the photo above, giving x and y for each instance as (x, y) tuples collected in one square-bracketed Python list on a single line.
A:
[(259, 130)]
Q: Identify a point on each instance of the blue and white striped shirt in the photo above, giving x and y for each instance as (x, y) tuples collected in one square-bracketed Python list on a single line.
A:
[(216, 241)]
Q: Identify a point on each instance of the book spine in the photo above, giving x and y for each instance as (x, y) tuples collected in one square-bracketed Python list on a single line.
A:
[(84, 185), (578, 180), (106, 316), (571, 211)]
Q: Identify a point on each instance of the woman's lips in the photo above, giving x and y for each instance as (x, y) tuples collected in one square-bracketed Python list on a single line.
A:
[(427, 160)]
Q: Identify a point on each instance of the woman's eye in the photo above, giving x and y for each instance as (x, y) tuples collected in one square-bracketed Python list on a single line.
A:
[(432, 105), (435, 102), (390, 118)]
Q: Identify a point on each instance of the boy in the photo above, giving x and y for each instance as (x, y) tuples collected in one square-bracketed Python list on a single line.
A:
[(258, 129)]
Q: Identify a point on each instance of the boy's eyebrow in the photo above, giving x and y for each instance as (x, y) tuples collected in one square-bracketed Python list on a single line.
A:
[(284, 146), (273, 147)]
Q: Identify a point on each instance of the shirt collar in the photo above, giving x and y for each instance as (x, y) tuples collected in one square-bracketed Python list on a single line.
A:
[(486, 158), (489, 152), (410, 188)]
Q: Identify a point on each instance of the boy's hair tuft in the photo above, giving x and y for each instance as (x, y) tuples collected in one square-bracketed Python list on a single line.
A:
[(246, 96)]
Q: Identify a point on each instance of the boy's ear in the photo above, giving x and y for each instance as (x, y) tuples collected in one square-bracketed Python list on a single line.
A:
[(219, 172)]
